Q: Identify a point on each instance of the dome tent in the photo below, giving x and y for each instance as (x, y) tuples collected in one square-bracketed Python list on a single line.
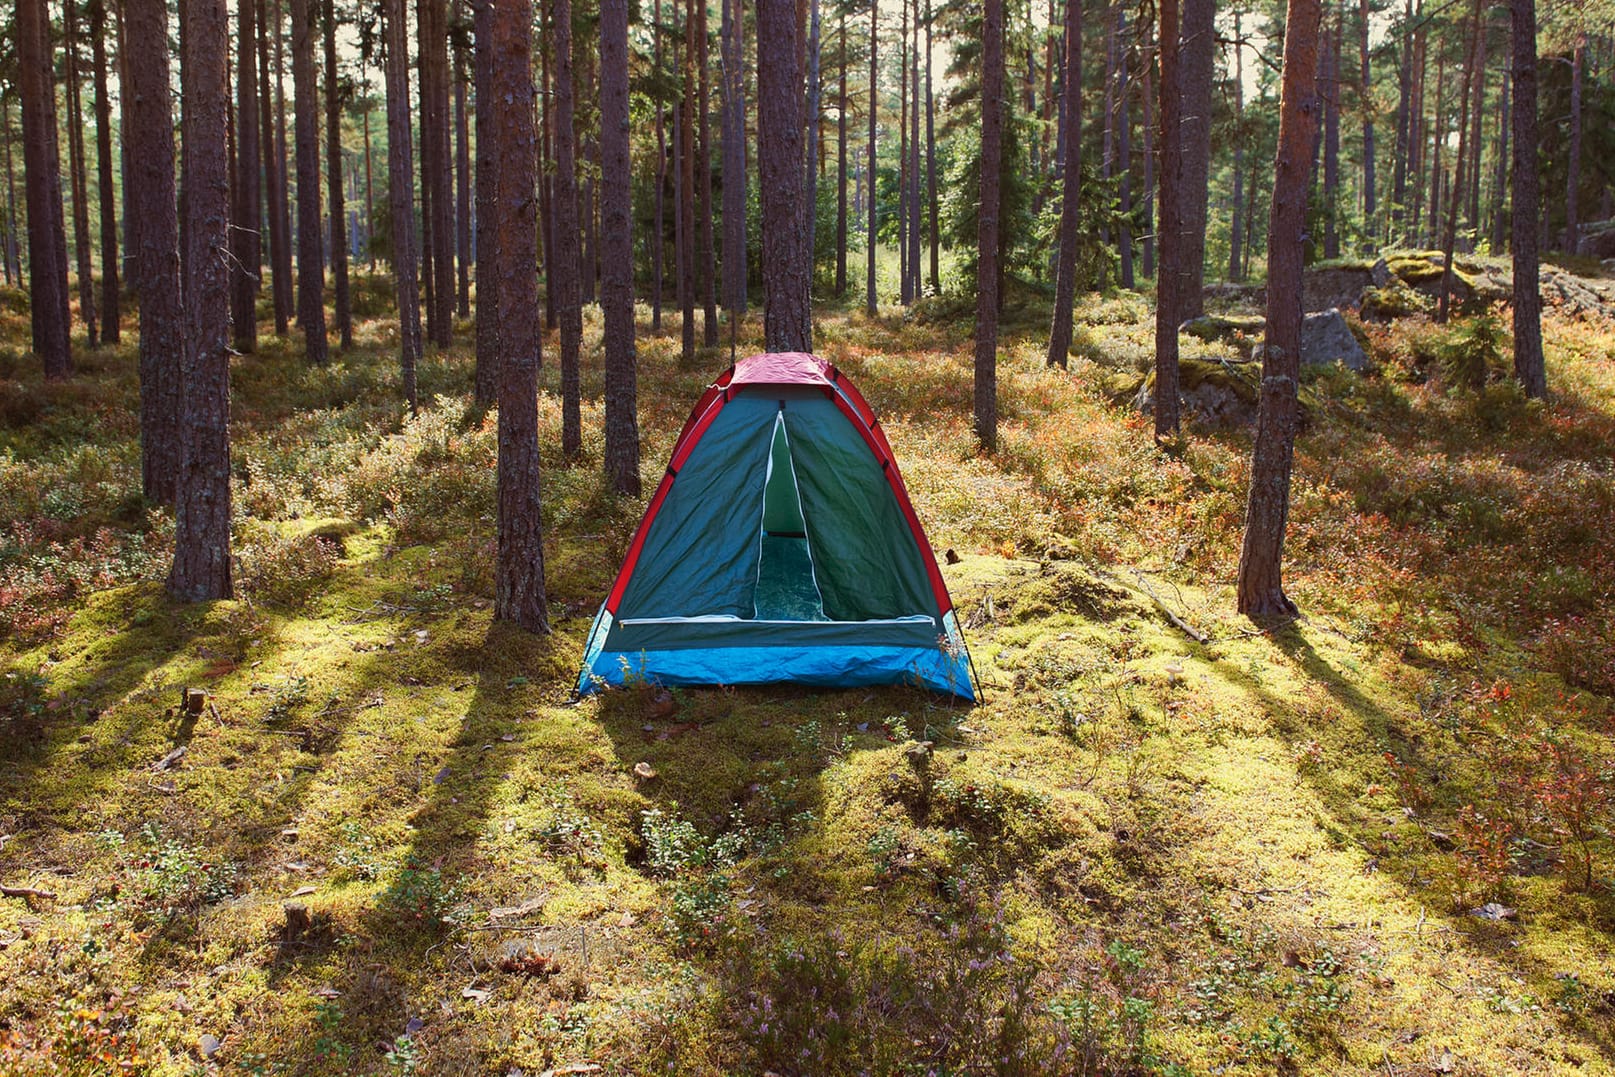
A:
[(780, 545)]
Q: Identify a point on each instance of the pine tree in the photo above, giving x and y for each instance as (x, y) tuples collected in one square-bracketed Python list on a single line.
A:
[(401, 196), (1527, 200), (103, 160), (987, 238), (245, 213), (201, 569), (335, 99), (1071, 178), (310, 253), (1261, 585), (47, 240), (617, 242), (787, 249)]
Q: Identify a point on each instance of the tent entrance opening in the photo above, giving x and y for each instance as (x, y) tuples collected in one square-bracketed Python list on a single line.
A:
[(786, 587)]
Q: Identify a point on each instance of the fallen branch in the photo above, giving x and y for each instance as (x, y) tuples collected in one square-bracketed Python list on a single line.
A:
[(1188, 629), (28, 893)]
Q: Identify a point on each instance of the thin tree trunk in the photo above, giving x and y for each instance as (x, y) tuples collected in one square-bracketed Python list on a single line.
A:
[(310, 257), (915, 210), (11, 253), (992, 119), (1526, 198), (659, 239), (1404, 102), (1124, 150), (401, 196), (1476, 153), (706, 267), (1148, 128), (546, 182), (103, 161), (1071, 117), (1500, 174), (1170, 286), (810, 134), (284, 266), (1198, 50), (274, 163), (732, 55), (435, 51), (930, 155), (904, 281), (841, 165), (47, 241), (1236, 228), (1578, 63), (1331, 142), (787, 249), (565, 265), (83, 242), (519, 572), (617, 241), (1455, 201), (369, 181), (1365, 93), (1261, 583), (487, 331), (869, 159), (334, 101), (201, 569), (462, 188), (686, 152), (246, 218), (1436, 175)]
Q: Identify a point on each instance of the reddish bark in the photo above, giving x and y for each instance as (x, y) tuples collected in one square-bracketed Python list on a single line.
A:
[(787, 248), (992, 120), (245, 214), (310, 255), (617, 242), (47, 240), (103, 156), (401, 195), (563, 268), (334, 101), (1071, 116)]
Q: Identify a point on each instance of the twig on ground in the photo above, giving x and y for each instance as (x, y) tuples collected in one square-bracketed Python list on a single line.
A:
[(1187, 629), (27, 893)]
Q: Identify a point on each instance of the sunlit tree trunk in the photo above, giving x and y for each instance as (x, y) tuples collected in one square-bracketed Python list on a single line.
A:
[(201, 568), (283, 267), (706, 267), (487, 330), (334, 100), (1261, 584), (310, 256), (401, 195), (1527, 201), (274, 162), (47, 239), (1331, 141), (1464, 152), (734, 163), (519, 572), (103, 160), (246, 213), (1170, 284), (1365, 92), (869, 158), (992, 119), (841, 164), (1071, 178), (462, 189), (930, 155), (659, 239), (83, 242), (1124, 152), (564, 266), (1236, 230), (1578, 63)]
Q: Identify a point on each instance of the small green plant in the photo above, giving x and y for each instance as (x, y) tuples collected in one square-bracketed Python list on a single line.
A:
[(285, 696), (568, 831), (419, 895), (885, 846), (700, 870), (357, 853)]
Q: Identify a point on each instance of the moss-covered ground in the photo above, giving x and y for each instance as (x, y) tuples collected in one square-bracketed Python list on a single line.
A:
[(1375, 840)]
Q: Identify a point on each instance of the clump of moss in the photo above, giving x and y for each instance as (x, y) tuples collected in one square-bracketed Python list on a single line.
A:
[(1395, 300)]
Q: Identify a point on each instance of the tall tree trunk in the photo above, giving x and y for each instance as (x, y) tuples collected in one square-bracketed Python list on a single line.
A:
[(430, 238), (915, 211), (1404, 126), (462, 188), (334, 101), (810, 134), (1331, 141), (274, 162), (201, 569), (1527, 200), (546, 157), (401, 196), (930, 155), (1170, 283), (47, 240), (685, 150), (310, 256), (1578, 63), (565, 265), (1124, 150), (1236, 228), (1455, 202), (83, 242), (245, 215), (734, 161), (787, 249), (10, 253), (904, 281), (487, 332), (1476, 153), (1196, 53), (435, 49), (841, 165), (992, 122), (869, 158), (284, 266), (1261, 582), (1500, 173), (103, 161), (617, 241), (659, 239), (151, 202), (519, 572), (706, 268), (1365, 95), (1439, 121), (1071, 117), (1148, 128)]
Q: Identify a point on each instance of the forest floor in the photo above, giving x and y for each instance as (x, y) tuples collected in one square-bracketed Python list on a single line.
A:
[(1375, 840)]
